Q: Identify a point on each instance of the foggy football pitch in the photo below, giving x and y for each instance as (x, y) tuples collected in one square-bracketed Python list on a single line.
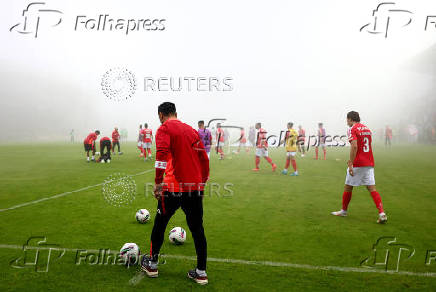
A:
[(267, 217)]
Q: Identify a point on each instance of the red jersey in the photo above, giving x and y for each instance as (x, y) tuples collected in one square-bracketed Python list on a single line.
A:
[(243, 137), (362, 134), (90, 138), (389, 132), (301, 135), (220, 135), (180, 154), (115, 136), (261, 141), (102, 139), (146, 135)]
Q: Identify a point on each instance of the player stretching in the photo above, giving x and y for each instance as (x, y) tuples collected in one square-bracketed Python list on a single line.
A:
[(301, 140), (360, 170), (89, 144), (105, 144), (291, 139), (147, 139), (205, 136), (116, 141), (220, 140), (262, 148), (181, 156), (321, 141), (140, 142)]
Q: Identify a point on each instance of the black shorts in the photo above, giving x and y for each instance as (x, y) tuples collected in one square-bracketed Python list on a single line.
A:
[(88, 147)]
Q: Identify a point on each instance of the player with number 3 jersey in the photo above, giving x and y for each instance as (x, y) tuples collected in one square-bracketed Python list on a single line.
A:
[(360, 170)]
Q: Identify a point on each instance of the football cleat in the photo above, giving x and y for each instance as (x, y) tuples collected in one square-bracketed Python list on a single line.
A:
[(341, 213), (202, 280), (382, 219), (274, 167), (256, 169), (149, 267), (295, 173), (285, 171)]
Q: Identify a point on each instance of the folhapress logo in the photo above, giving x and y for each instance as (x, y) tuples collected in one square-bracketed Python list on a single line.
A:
[(36, 16)]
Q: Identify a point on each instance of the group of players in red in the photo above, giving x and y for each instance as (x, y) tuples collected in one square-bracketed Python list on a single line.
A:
[(106, 146), (182, 169)]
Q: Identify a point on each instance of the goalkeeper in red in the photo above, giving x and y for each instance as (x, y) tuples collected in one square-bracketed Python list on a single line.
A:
[(181, 156), (360, 170)]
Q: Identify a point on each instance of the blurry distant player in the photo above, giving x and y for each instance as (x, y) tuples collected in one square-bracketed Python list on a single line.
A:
[(140, 142), (181, 157), (262, 148), (321, 141), (72, 136), (205, 136), (147, 139), (388, 134), (89, 144), (242, 141), (360, 170), (220, 140), (105, 150), (291, 139), (116, 141), (301, 140)]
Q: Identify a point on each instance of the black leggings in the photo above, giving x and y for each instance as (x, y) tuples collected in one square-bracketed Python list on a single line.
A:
[(116, 143), (192, 205)]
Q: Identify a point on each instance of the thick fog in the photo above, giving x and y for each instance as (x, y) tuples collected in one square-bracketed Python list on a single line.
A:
[(299, 61)]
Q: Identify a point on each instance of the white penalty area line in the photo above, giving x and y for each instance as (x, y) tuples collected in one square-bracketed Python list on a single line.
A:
[(63, 194), (245, 262)]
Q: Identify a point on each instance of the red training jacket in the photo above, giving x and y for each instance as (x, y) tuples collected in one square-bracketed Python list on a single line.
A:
[(181, 146)]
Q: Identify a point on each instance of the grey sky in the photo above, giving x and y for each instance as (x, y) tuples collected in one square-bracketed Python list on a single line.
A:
[(300, 61)]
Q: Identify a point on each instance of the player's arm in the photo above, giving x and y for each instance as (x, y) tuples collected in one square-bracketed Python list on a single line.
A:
[(162, 151), (353, 153)]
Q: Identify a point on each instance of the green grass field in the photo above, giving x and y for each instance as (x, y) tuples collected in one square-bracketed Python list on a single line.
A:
[(267, 217)]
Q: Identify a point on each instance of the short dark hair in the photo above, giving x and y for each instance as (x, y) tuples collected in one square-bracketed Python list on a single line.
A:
[(320, 124), (201, 122), (291, 124), (146, 125), (260, 125), (97, 132), (354, 116), (167, 108)]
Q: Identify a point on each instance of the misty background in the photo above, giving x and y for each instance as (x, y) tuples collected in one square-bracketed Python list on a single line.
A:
[(299, 61)]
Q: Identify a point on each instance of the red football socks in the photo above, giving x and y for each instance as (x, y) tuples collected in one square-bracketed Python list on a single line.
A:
[(377, 200), (346, 198)]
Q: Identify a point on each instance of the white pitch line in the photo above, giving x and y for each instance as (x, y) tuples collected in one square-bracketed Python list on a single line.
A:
[(245, 262), (62, 194)]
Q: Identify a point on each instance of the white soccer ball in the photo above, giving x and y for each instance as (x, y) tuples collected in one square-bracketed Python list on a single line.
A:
[(177, 235), (142, 216), (129, 253)]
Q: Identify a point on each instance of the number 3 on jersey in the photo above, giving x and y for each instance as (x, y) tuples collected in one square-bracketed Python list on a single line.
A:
[(365, 144)]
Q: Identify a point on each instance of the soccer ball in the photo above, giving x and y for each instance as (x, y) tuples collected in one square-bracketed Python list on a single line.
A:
[(129, 253), (177, 235), (142, 216)]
